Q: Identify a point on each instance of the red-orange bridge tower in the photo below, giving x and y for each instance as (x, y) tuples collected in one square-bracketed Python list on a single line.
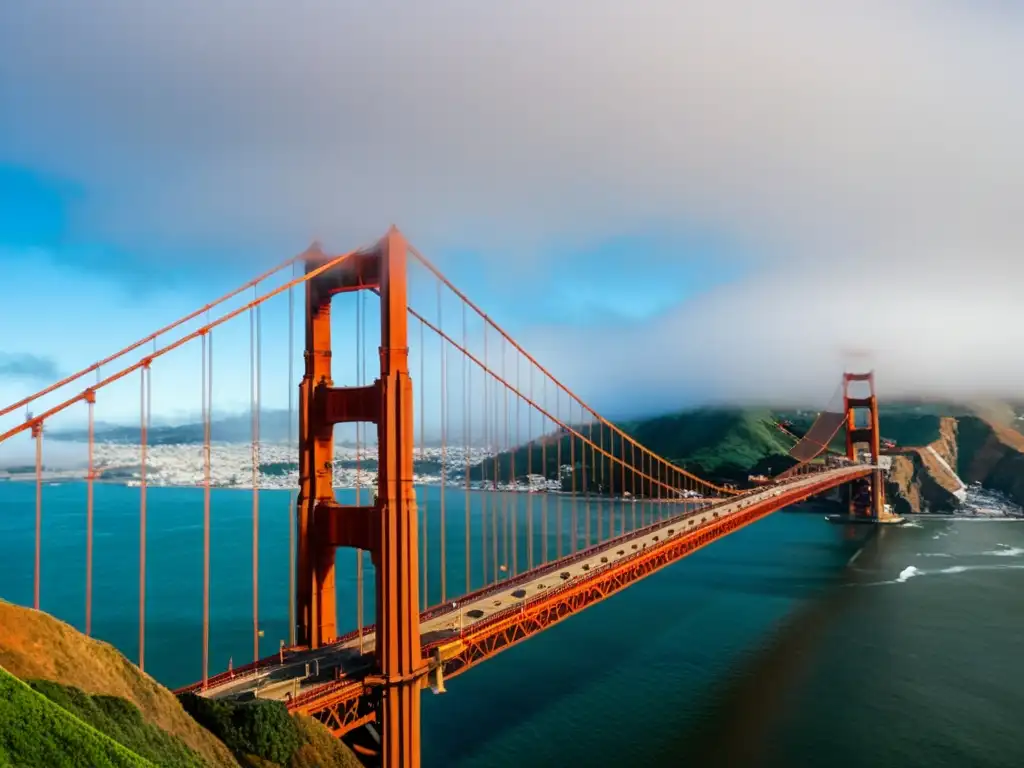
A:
[(387, 529), (867, 497)]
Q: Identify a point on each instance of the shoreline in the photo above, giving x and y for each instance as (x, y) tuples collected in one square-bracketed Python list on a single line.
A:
[(62, 480)]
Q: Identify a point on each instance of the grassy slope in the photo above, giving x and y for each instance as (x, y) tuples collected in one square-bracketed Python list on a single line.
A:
[(35, 731), (84, 699), (713, 441), (36, 646), (123, 722)]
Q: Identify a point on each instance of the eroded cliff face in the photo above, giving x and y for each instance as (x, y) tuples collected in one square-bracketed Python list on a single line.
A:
[(946, 446), (978, 448), (992, 454), (916, 483), (919, 480)]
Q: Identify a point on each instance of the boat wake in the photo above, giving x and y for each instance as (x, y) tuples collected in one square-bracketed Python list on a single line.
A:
[(913, 572)]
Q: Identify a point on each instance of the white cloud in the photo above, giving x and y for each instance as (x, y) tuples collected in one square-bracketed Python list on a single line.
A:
[(867, 154)]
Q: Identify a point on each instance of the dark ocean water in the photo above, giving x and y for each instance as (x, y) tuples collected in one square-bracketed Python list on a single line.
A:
[(769, 648)]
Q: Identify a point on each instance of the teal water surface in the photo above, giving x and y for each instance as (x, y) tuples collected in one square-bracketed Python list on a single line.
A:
[(767, 648)]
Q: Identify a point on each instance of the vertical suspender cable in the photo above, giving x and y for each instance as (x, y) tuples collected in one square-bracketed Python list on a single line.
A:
[(611, 485), (634, 478), (662, 472), (444, 438), (423, 431), (572, 480), (37, 432), (254, 385), (514, 498), (659, 477), (207, 429), (364, 378), (505, 446), (646, 490), (360, 355), (544, 472), (467, 431), (656, 481), (622, 466), (144, 421), (91, 399), (599, 472), (484, 497), (558, 474), (293, 452), (529, 479), (652, 495), (587, 481), (496, 440)]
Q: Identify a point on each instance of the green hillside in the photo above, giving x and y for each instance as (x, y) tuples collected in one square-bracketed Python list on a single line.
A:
[(718, 444), (43, 723), (721, 445), (37, 731), (724, 443), (82, 703), (262, 734)]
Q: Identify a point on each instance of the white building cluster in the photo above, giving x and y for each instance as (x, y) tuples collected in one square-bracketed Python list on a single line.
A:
[(231, 466)]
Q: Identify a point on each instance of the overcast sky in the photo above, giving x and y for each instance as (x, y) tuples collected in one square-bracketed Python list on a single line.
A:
[(671, 202)]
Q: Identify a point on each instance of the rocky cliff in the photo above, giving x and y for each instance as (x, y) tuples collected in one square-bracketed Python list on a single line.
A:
[(981, 448), (922, 478), (992, 454)]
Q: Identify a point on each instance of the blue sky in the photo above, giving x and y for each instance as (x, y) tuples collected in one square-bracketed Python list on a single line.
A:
[(76, 299), (733, 202)]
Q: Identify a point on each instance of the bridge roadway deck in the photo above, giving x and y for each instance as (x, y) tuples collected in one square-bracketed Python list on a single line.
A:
[(350, 658)]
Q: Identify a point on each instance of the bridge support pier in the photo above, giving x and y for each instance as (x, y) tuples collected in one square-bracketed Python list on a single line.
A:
[(388, 527)]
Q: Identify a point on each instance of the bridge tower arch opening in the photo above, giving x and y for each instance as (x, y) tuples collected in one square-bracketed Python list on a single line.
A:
[(387, 528), (866, 498)]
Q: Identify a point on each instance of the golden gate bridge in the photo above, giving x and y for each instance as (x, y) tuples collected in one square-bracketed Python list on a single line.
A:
[(594, 510)]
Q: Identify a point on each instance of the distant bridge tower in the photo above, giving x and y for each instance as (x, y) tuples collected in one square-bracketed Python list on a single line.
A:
[(862, 429), (387, 528)]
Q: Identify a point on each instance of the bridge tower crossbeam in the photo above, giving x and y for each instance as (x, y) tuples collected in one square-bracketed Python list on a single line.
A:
[(387, 528)]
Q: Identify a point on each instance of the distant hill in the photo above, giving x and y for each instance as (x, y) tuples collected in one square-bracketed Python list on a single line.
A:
[(230, 429), (274, 428), (718, 444), (728, 444)]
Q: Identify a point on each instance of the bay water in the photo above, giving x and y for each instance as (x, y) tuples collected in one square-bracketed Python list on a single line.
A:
[(791, 642)]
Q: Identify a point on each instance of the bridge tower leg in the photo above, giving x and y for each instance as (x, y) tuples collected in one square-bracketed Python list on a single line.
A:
[(386, 528), (861, 431)]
